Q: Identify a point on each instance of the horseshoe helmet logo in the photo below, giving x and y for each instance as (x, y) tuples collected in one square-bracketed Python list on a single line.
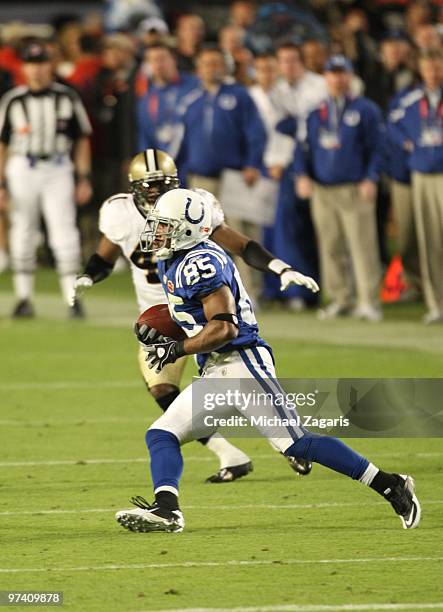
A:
[(188, 216)]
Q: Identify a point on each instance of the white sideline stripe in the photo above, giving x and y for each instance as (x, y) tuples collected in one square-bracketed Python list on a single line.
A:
[(318, 506), (67, 384), (9, 464), (315, 608), (232, 563)]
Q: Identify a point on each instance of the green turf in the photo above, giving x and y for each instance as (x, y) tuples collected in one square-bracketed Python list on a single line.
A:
[(70, 392)]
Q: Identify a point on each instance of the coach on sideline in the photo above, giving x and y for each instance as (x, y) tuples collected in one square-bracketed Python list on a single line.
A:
[(417, 126), (342, 154), (41, 124)]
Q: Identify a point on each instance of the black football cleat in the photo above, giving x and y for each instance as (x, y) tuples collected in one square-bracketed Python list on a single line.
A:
[(402, 498), (301, 466), (76, 311), (150, 517), (230, 474), (23, 310)]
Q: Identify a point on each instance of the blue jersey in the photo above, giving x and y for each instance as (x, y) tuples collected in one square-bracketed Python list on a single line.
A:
[(198, 272)]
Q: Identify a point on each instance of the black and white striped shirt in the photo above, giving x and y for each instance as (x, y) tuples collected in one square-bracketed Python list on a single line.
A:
[(42, 124)]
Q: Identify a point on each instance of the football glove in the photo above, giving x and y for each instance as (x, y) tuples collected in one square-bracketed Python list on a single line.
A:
[(82, 283), (164, 352), (291, 277), (147, 335)]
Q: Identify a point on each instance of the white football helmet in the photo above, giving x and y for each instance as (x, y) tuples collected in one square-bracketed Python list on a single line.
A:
[(180, 219)]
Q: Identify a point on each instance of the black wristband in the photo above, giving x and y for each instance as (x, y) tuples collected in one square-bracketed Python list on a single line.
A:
[(257, 256), (98, 268), (180, 349)]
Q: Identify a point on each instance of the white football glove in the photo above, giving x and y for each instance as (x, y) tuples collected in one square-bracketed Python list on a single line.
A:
[(291, 277), (82, 284)]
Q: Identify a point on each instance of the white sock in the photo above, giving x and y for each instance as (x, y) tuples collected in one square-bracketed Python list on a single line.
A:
[(228, 454), (66, 285), (24, 285), (369, 474)]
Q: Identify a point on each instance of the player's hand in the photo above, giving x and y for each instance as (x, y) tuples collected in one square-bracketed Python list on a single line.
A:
[(291, 277), (160, 354), (82, 284), (147, 335)]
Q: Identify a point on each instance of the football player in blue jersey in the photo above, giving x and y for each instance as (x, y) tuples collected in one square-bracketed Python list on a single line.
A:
[(207, 299)]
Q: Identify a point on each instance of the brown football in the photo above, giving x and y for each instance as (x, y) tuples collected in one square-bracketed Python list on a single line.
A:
[(159, 318)]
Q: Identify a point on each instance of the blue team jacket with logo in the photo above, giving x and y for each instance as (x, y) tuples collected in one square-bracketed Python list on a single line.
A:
[(343, 147), (221, 131), (418, 122)]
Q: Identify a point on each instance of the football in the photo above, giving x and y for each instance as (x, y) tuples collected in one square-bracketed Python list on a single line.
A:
[(159, 318)]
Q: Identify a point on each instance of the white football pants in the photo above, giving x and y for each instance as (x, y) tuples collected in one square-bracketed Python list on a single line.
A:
[(188, 418), (45, 188)]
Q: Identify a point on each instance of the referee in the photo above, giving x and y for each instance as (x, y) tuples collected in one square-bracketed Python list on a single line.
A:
[(45, 166)]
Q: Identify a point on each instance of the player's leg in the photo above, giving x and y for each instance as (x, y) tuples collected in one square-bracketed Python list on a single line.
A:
[(59, 211), (330, 452), (24, 218), (164, 388), (181, 423)]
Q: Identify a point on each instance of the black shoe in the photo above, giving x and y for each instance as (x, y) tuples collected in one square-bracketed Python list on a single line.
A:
[(76, 311), (150, 517), (23, 310), (301, 466), (231, 473), (402, 498)]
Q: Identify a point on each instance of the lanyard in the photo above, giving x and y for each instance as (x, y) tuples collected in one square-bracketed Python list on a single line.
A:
[(331, 114), (429, 115)]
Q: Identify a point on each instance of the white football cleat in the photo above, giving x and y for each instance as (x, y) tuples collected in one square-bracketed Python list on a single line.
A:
[(150, 518)]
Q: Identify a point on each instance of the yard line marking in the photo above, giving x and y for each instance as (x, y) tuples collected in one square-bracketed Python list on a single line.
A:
[(68, 384), (318, 506), (315, 608), (9, 464), (74, 422), (232, 563)]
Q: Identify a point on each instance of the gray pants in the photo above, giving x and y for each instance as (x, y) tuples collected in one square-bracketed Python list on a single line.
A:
[(347, 237), (427, 192), (403, 210)]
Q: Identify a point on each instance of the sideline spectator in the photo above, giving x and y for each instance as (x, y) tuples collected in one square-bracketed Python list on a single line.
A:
[(342, 155)]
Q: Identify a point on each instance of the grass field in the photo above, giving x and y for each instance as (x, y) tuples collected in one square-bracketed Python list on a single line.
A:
[(73, 414)]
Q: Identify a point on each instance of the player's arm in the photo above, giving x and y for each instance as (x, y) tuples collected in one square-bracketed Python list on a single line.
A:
[(221, 328), (98, 267), (256, 256)]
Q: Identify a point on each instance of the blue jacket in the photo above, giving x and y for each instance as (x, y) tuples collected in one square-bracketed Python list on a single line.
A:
[(221, 131), (396, 159), (417, 122), (346, 150), (157, 112)]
